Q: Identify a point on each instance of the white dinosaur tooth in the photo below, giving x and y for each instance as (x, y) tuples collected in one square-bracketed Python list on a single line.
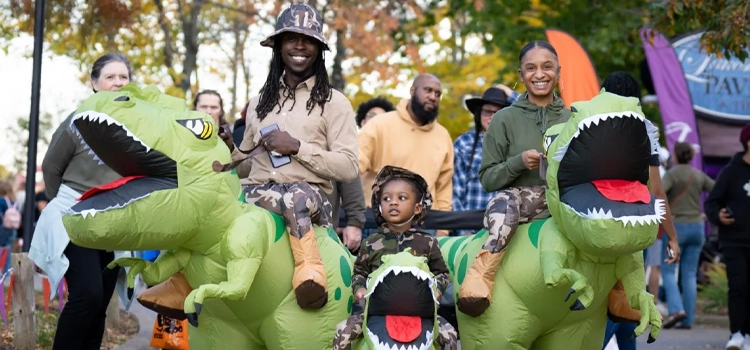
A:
[(101, 163)]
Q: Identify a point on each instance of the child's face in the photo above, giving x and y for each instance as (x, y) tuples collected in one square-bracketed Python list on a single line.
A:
[(398, 202)]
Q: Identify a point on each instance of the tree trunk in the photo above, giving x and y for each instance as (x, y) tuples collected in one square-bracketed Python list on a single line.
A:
[(237, 31), (337, 74), (113, 311)]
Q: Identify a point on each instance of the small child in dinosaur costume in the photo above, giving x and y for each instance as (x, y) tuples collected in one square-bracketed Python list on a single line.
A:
[(402, 199)]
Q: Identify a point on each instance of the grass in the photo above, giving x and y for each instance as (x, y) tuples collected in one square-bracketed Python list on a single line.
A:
[(714, 297), (46, 325)]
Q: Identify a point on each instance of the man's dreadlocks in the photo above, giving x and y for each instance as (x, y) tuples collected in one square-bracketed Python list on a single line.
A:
[(269, 94)]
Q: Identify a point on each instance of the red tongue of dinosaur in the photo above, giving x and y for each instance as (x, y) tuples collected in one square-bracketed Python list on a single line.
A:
[(403, 329), (110, 186), (623, 191)]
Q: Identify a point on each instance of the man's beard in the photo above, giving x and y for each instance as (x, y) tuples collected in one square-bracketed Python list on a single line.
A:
[(426, 117)]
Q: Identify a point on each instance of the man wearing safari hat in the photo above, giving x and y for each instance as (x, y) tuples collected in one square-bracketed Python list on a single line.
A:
[(306, 133)]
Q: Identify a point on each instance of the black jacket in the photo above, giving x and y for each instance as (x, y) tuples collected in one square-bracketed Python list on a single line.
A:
[(732, 190), (239, 132)]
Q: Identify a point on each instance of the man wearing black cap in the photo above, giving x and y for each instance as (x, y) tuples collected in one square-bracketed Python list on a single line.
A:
[(308, 138), (727, 206), (468, 193)]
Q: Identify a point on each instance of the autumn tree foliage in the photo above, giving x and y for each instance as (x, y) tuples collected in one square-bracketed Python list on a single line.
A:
[(726, 23)]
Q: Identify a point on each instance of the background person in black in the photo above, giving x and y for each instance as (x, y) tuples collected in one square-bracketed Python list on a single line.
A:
[(727, 207)]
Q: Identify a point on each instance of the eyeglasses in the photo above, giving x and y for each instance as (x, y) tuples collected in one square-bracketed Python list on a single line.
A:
[(488, 112)]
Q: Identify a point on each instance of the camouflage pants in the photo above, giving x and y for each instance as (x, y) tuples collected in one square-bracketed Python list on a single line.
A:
[(508, 209), (301, 204), (351, 328)]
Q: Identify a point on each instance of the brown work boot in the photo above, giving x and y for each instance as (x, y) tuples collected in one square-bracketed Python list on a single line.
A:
[(168, 298), (309, 280), (475, 294), (619, 309)]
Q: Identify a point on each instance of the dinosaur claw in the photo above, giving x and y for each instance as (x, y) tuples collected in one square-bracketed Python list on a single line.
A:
[(198, 307), (651, 339), (570, 292), (192, 319), (130, 293), (577, 306)]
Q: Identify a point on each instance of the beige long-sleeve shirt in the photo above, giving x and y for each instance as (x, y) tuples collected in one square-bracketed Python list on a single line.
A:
[(393, 138), (328, 141)]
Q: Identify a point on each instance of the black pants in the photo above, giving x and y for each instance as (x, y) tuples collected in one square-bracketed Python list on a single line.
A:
[(81, 324), (737, 260)]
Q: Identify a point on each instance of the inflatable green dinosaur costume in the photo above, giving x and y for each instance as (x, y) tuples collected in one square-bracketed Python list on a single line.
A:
[(235, 256), (552, 288), (400, 290)]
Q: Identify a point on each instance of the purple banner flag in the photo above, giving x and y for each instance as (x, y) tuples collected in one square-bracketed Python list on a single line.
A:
[(672, 91)]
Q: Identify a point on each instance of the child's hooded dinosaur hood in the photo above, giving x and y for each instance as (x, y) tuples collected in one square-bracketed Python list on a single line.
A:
[(388, 173)]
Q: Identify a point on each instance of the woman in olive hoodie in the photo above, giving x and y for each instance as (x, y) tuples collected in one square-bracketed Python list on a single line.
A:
[(510, 159)]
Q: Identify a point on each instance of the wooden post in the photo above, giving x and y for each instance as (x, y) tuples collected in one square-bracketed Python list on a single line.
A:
[(113, 311), (24, 316)]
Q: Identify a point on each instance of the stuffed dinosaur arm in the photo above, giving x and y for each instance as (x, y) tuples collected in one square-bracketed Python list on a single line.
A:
[(554, 249), (167, 264), (244, 252), (630, 270)]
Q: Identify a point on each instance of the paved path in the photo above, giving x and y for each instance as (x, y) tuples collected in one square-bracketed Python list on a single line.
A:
[(700, 337), (146, 319)]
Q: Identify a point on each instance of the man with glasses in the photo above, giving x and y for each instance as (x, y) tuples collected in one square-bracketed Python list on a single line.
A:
[(468, 193)]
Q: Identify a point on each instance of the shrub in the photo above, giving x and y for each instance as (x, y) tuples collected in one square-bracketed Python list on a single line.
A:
[(715, 293)]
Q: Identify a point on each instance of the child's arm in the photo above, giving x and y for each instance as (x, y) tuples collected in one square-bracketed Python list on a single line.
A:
[(362, 268), (438, 267)]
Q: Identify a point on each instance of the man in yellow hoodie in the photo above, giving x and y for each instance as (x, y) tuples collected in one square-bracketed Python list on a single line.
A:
[(410, 137)]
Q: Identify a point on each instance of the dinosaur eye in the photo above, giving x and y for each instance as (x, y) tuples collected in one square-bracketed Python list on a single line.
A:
[(122, 99), (573, 109), (199, 127)]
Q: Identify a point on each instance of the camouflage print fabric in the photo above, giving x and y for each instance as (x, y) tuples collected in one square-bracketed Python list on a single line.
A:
[(508, 209), (351, 329), (388, 173), (447, 335), (299, 18), (385, 241), (301, 204), (347, 331)]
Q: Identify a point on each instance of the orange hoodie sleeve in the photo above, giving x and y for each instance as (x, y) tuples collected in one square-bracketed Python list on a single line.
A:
[(367, 139), (444, 185)]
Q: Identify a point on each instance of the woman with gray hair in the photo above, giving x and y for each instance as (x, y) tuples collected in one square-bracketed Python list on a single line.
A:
[(69, 170)]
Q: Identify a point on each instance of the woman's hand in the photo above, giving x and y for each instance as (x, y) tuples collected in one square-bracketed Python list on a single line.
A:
[(531, 159), (675, 247)]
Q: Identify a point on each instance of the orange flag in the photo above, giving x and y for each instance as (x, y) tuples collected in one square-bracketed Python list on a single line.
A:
[(578, 77)]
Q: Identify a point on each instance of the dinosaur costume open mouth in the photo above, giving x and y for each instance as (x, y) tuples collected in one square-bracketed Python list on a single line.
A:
[(604, 169), (144, 169), (401, 309)]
